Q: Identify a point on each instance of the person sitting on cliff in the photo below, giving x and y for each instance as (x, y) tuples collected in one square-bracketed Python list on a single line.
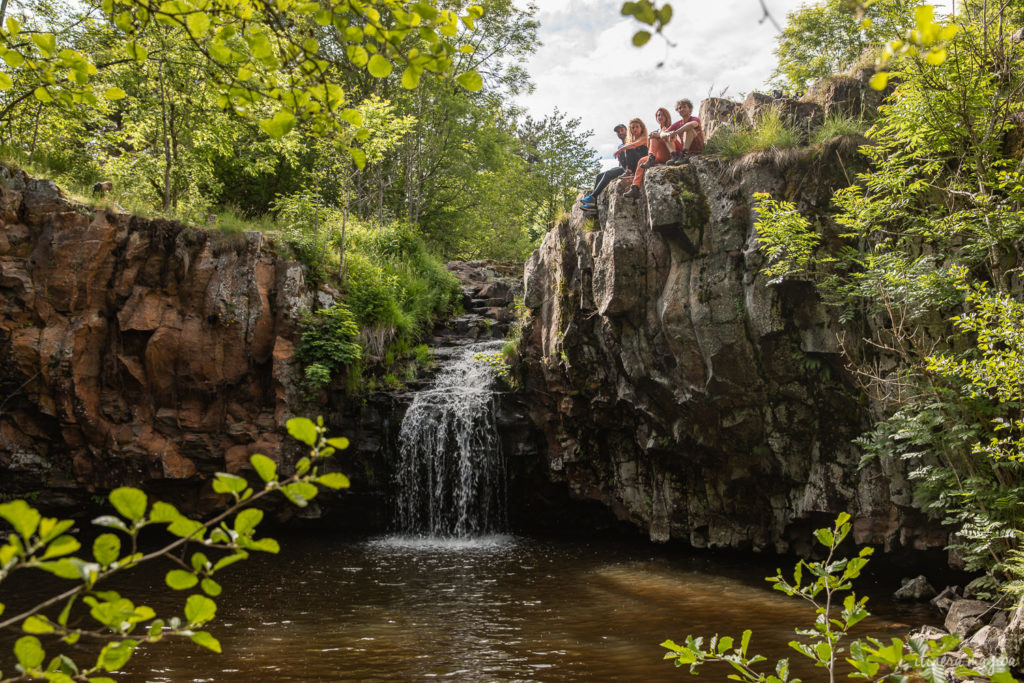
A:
[(589, 201), (687, 134), (629, 155), (660, 151)]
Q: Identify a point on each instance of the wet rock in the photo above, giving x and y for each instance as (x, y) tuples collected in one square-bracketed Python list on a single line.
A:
[(914, 590)]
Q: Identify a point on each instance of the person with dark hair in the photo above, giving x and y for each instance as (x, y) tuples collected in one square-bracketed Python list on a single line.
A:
[(687, 134), (633, 147)]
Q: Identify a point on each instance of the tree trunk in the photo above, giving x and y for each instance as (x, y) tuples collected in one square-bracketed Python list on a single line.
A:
[(168, 157), (341, 247), (3, 10)]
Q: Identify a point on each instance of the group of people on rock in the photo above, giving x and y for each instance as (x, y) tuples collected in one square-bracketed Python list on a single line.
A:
[(672, 143)]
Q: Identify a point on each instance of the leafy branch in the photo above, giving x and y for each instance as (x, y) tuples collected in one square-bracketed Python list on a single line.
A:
[(43, 543)]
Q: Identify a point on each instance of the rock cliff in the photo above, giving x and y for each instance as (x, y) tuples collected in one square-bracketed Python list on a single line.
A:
[(136, 351), (675, 384)]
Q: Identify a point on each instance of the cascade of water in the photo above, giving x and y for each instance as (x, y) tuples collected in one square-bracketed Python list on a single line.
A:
[(451, 473)]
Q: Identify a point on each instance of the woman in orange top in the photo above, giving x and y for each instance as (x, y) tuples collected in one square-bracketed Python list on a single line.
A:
[(660, 151)]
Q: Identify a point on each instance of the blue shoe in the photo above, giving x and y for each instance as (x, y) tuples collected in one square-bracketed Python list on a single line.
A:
[(587, 199), (589, 206)]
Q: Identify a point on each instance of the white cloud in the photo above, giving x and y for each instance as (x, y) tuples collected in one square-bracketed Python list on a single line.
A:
[(588, 68)]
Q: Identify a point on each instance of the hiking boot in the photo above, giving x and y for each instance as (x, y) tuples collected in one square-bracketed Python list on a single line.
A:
[(650, 161), (680, 160), (632, 193)]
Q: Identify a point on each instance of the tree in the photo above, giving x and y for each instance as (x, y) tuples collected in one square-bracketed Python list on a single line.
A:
[(930, 232), (258, 53), (825, 39), (119, 625)]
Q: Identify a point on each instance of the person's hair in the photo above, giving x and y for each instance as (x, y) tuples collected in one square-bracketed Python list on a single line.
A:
[(621, 125), (688, 103), (668, 116), (630, 138)]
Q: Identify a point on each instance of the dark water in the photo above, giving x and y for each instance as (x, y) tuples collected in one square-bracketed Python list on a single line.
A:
[(502, 608)]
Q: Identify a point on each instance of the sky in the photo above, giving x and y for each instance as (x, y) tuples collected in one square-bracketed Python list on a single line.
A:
[(588, 68)]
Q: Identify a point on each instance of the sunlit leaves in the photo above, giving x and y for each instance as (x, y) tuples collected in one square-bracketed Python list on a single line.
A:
[(470, 80), (46, 544), (928, 39), (20, 515), (303, 429), (646, 12), (199, 609), (130, 502)]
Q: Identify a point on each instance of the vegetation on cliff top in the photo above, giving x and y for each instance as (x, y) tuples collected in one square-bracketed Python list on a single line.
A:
[(930, 255)]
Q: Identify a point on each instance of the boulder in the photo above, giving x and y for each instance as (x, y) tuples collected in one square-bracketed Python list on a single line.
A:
[(965, 617), (914, 590)]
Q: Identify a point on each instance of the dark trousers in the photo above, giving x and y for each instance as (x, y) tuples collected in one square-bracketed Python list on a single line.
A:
[(606, 177)]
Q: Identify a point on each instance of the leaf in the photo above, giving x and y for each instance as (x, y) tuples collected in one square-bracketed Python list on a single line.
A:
[(65, 569), (115, 655), (199, 609), (106, 548), (333, 480), (5, 81), (358, 157), (136, 51), (640, 38), (22, 516), (230, 560), (37, 624), (470, 80), (130, 502), (280, 125), (339, 442), (378, 66), (879, 80), (46, 43), (164, 512), (29, 652), (111, 522), (264, 466), (180, 580), (211, 587), (206, 640), (936, 56), (229, 483), (198, 23), (60, 546), (246, 521), (303, 429), (115, 94), (411, 77)]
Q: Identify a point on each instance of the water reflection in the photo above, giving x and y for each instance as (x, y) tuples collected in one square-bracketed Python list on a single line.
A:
[(496, 608)]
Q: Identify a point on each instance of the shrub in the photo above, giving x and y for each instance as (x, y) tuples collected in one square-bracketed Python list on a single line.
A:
[(328, 344)]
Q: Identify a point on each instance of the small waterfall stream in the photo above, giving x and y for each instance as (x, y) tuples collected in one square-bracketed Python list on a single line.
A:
[(451, 473)]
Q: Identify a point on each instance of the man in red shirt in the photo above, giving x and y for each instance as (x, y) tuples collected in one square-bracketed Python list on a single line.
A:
[(686, 133)]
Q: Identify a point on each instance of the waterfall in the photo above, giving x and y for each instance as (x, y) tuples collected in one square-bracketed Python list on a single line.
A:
[(451, 473)]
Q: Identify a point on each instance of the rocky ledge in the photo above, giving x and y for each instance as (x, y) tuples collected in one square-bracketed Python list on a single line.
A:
[(679, 387), (135, 351)]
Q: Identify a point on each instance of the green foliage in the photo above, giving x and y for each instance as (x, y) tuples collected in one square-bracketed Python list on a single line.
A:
[(266, 60), (646, 12), (927, 236), (821, 584), (825, 38), (770, 133), (785, 236), (328, 345), (113, 623), (835, 126)]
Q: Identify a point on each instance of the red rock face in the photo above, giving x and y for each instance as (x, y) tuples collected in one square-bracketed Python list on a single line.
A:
[(136, 350)]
